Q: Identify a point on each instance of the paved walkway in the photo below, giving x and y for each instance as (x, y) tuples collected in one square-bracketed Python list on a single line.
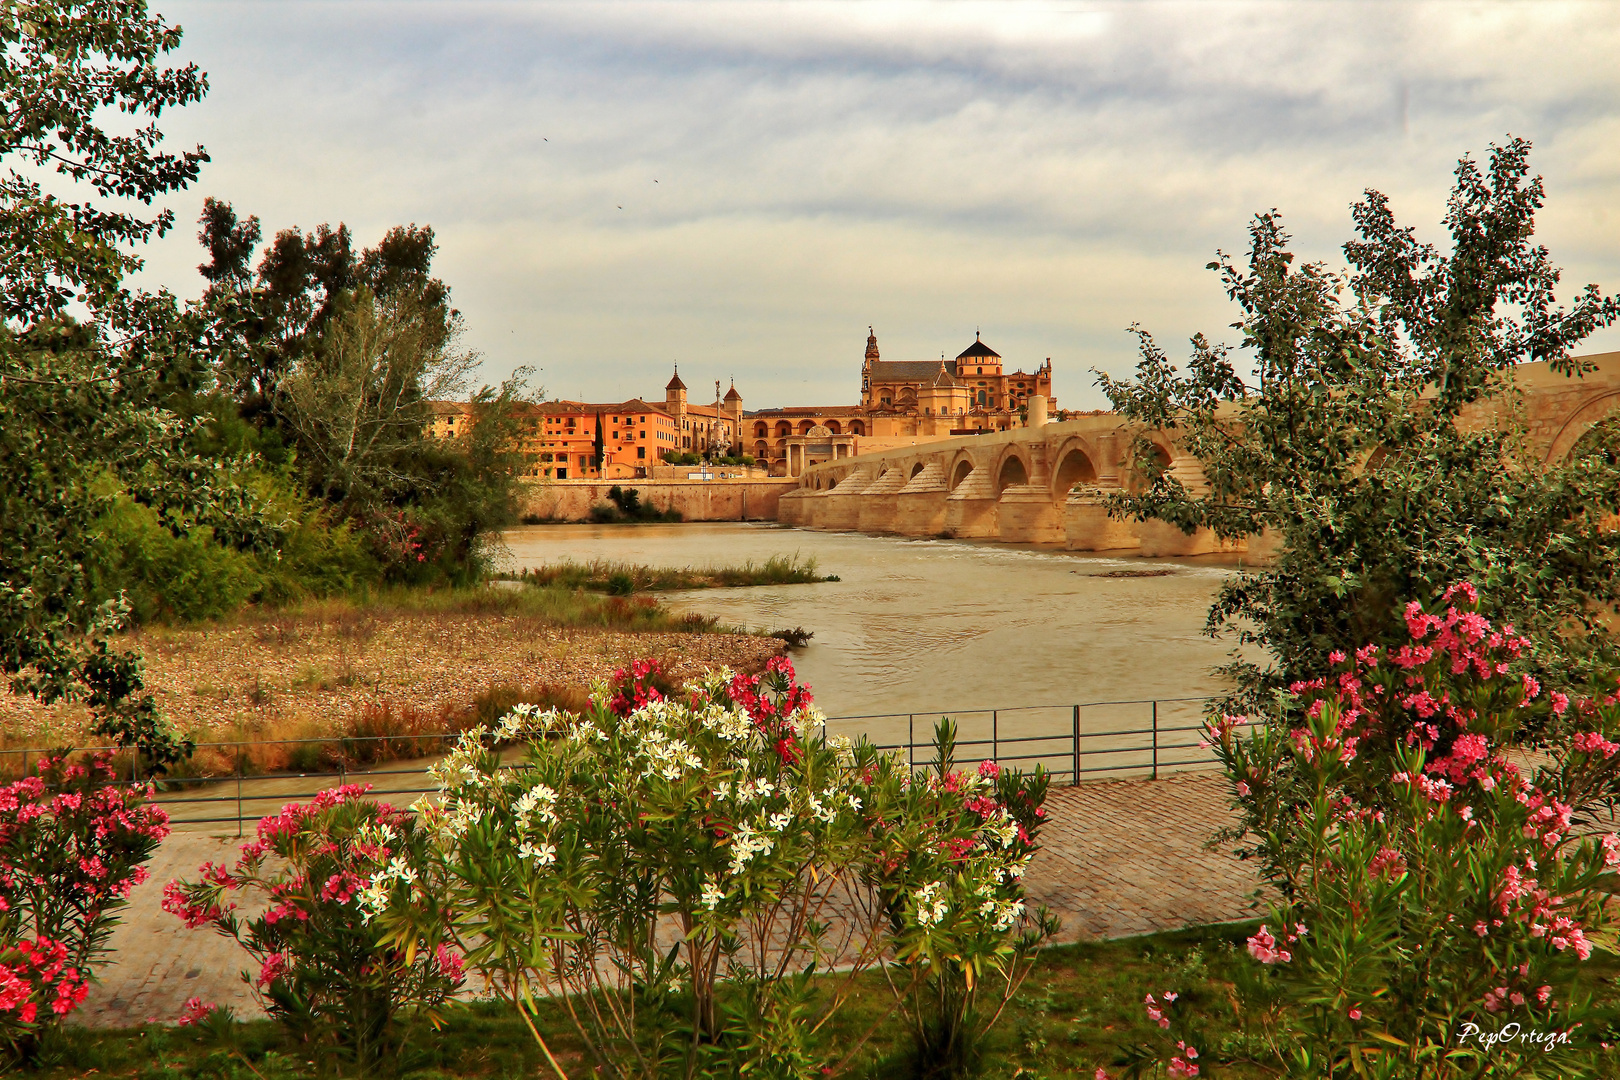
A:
[(1119, 858)]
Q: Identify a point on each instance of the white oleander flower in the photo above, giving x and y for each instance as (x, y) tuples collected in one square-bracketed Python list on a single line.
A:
[(544, 854), (812, 719), (1008, 913), (780, 821), (712, 894), (931, 907), (745, 844)]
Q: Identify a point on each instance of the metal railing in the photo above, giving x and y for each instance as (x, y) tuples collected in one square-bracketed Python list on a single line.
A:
[(1087, 740), (1093, 739)]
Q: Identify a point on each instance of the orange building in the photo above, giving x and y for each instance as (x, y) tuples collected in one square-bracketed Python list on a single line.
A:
[(560, 439)]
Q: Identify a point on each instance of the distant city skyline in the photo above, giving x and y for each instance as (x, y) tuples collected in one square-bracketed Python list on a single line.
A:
[(744, 188)]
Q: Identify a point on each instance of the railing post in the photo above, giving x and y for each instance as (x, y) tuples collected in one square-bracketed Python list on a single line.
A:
[(995, 735), (1077, 744), (1155, 740), (911, 740), (135, 764), (238, 795)]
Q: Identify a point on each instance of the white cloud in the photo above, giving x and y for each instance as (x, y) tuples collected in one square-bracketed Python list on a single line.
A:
[(1051, 172)]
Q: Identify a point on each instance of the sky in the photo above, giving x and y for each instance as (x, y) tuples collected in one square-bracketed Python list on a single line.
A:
[(743, 188)]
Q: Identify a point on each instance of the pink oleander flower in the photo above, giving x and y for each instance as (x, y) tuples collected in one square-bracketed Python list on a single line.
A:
[(195, 1012), (275, 965), (1263, 947), (450, 963)]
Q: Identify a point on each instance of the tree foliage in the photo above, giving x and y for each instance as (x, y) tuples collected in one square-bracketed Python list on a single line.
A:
[(340, 354), (84, 403), (1377, 441)]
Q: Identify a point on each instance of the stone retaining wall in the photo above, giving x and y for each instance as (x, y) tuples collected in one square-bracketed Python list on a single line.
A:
[(753, 499)]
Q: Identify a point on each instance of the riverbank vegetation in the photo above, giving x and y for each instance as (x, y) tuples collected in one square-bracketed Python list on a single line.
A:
[(402, 663), (268, 443), (623, 579)]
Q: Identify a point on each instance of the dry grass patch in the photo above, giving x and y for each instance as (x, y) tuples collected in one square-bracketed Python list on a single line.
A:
[(384, 676)]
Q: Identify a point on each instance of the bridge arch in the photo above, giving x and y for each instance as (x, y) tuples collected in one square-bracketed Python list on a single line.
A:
[(1580, 421), (1076, 464), (961, 469), (917, 468), (1144, 470), (1012, 468)]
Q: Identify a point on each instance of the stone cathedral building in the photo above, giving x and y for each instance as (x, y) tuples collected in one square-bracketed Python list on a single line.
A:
[(902, 402)]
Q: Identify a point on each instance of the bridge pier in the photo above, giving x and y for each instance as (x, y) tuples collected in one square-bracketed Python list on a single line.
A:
[(1025, 514), (840, 511), (876, 513), (919, 507), (970, 508), (1087, 526)]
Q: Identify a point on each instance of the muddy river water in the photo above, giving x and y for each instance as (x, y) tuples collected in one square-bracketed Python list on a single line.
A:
[(924, 627)]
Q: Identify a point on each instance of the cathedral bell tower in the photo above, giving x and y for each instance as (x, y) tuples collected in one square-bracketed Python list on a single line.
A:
[(866, 366)]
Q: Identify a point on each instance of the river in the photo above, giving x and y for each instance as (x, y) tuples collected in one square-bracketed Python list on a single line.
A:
[(933, 626)]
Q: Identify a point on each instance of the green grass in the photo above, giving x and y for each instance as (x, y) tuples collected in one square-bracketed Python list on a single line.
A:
[(1081, 1008), (623, 579)]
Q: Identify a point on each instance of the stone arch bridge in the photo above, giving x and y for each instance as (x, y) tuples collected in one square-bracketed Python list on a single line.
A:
[(1045, 485)]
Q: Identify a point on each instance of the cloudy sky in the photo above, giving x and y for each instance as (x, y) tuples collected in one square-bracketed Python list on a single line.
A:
[(743, 188)]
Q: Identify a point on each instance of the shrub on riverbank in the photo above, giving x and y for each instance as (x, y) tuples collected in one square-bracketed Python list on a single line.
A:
[(72, 846), (1431, 890), (625, 505), (773, 853), (335, 981), (622, 578)]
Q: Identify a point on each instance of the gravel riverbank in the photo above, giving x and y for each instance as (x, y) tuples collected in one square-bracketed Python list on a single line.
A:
[(314, 674)]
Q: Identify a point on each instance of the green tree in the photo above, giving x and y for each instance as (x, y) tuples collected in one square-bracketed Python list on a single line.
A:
[(84, 404), (340, 355), (362, 396), (1376, 442)]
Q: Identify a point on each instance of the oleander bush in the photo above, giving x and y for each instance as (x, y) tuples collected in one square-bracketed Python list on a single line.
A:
[(327, 971), (1435, 897), (677, 867), (73, 843)]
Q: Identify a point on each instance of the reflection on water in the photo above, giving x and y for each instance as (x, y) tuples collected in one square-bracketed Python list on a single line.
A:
[(934, 625)]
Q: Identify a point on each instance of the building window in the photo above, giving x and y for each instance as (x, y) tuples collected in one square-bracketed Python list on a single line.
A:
[(641, 451)]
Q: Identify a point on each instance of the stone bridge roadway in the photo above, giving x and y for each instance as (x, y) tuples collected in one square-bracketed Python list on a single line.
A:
[(1043, 485), (1119, 858)]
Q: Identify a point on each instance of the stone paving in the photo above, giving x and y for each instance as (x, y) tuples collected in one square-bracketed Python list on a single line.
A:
[(1119, 858)]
